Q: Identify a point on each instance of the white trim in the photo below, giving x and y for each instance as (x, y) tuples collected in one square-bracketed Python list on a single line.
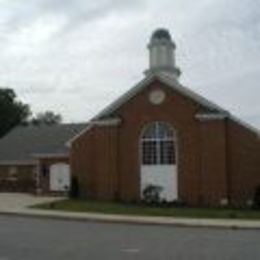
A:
[(69, 142), (190, 94), (176, 147), (106, 122), (246, 125), (49, 155), (157, 139), (174, 84), (59, 177), (92, 123), (17, 162), (124, 98), (168, 81), (209, 117)]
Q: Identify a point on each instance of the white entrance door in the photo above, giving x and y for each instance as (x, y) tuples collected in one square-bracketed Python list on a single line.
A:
[(164, 176), (59, 177), (158, 161)]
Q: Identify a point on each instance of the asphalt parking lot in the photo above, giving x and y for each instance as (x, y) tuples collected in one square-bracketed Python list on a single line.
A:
[(24, 238)]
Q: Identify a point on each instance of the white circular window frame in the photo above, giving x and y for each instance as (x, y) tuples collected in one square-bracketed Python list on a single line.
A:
[(157, 97)]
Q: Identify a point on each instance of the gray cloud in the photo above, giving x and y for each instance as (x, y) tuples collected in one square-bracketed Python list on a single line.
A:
[(77, 56), (74, 12)]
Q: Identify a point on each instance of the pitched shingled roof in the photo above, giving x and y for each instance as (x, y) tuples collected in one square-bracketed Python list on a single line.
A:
[(24, 142), (173, 84), (176, 86)]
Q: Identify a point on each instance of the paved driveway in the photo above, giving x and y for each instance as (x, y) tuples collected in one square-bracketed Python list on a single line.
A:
[(16, 201)]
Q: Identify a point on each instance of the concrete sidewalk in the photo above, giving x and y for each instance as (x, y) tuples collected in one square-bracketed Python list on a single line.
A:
[(19, 201), (17, 205), (184, 222)]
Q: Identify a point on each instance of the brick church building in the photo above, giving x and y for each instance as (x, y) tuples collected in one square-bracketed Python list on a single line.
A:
[(158, 134), (162, 134)]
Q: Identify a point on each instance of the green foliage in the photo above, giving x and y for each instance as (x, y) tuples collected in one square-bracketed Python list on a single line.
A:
[(151, 194), (107, 207), (12, 111), (46, 118)]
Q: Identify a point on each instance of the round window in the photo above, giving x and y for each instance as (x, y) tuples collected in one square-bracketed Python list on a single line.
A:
[(157, 96)]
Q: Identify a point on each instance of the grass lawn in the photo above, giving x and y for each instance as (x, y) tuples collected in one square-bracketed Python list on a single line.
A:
[(141, 210)]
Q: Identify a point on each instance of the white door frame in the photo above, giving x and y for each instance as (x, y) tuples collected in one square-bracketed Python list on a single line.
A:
[(63, 184), (176, 177)]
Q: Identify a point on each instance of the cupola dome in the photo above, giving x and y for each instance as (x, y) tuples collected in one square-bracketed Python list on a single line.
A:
[(162, 54)]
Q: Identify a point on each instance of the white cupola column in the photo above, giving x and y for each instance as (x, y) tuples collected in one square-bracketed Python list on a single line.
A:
[(162, 54)]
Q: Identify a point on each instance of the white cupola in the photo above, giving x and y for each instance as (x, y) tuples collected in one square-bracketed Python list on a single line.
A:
[(162, 54)]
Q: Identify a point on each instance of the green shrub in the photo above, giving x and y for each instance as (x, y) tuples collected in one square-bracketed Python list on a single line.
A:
[(151, 194)]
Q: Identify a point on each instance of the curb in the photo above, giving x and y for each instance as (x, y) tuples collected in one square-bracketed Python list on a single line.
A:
[(137, 220)]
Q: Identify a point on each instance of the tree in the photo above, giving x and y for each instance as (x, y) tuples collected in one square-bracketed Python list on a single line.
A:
[(46, 118), (12, 111)]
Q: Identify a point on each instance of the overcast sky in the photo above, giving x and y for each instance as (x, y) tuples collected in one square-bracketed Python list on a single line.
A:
[(75, 57)]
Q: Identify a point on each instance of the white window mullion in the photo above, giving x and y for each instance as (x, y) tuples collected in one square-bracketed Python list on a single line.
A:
[(152, 142), (157, 144)]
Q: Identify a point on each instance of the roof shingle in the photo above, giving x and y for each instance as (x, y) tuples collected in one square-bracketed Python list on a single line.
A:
[(25, 141)]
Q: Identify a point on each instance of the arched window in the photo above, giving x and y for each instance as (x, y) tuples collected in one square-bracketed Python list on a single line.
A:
[(158, 144)]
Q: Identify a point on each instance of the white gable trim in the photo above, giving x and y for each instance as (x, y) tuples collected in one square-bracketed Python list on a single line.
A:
[(103, 118), (209, 117), (190, 94), (91, 124), (69, 142), (106, 122), (221, 116), (246, 125), (49, 155), (174, 84), (17, 163)]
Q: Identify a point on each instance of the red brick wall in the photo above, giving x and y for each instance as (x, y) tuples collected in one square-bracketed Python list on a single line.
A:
[(179, 112), (106, 165), (213, 186), (25, 181), (94, 161), (83, 163), (26, 176), (211, 154), (106, 159), (243, 162)]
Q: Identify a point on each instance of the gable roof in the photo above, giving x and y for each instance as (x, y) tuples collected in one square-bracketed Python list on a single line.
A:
[(168, 81), (176, 86), (107, 113), (23, 143)]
